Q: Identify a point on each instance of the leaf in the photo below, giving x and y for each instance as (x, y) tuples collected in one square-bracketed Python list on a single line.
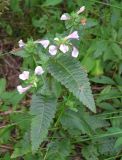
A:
[(22, 147), (21, 53), (2, 85), (90, 152), (117, 50), (43, 109), (118, 142), (103, 80), (74, 123), (15, 5), (52, 2), (106, 146), (57, 151), (70, 73)]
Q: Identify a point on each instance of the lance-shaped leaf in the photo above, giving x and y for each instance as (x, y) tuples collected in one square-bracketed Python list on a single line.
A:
[(70, 73), (43, 110)]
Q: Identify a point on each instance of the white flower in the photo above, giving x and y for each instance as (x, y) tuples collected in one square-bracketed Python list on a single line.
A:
[(81, 10), (23, 89), (75, 52), (52, 50), (64, 48), (44, 43), (24, 76), (73, 35), (65, 17), (21, 43), (39, 70)]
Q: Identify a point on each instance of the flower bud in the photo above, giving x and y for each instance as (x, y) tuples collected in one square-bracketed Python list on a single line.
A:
[(65, 17), (21, 89), (75, 52), (44, 43), (81, 10), (39, 70), (21, 43), (52, 50), (64, 48), (73, 35), (24, 76)]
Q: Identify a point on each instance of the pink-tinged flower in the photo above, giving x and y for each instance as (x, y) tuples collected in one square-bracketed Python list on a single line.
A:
[(81, 10), (64, 48), (39, 70), (21, 43), (65, 17), (24, 76), (52, 50), (21, 89), (73, 35), (75, 52), (44, 43)]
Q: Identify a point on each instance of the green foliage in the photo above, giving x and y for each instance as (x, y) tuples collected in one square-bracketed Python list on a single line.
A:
[(90, 152), (43, 109), (22, 147), (57, 108), (52, 2), (70, 73)]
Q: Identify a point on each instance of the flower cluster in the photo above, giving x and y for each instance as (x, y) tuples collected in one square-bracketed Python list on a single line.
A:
[(60, 44), (63, 47), (25, 76)]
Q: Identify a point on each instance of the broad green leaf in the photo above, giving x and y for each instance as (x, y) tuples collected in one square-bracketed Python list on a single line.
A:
[(21, 53), (70, 73), (52, 2), (103, 80), (117, 50), (43, 109), (57, 151), (118, 142), (88, 62), (106, 145), (90, 152), (22, 147)]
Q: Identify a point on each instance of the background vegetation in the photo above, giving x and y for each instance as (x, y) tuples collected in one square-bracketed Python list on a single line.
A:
[(76, 133)]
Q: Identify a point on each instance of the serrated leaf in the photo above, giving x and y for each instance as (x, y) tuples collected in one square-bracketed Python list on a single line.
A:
[(70, 73), (43, 109)]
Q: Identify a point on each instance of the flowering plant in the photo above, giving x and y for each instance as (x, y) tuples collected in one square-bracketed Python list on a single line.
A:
[(51, 68)]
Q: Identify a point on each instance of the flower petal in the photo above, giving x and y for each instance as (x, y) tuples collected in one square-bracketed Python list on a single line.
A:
[(21, 43), (65, 17), (75, 52), (64, 48), (52, 50), (24, 76), (21, 90), (81, 10), (44, 43), (73, 35), (39, 70)]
